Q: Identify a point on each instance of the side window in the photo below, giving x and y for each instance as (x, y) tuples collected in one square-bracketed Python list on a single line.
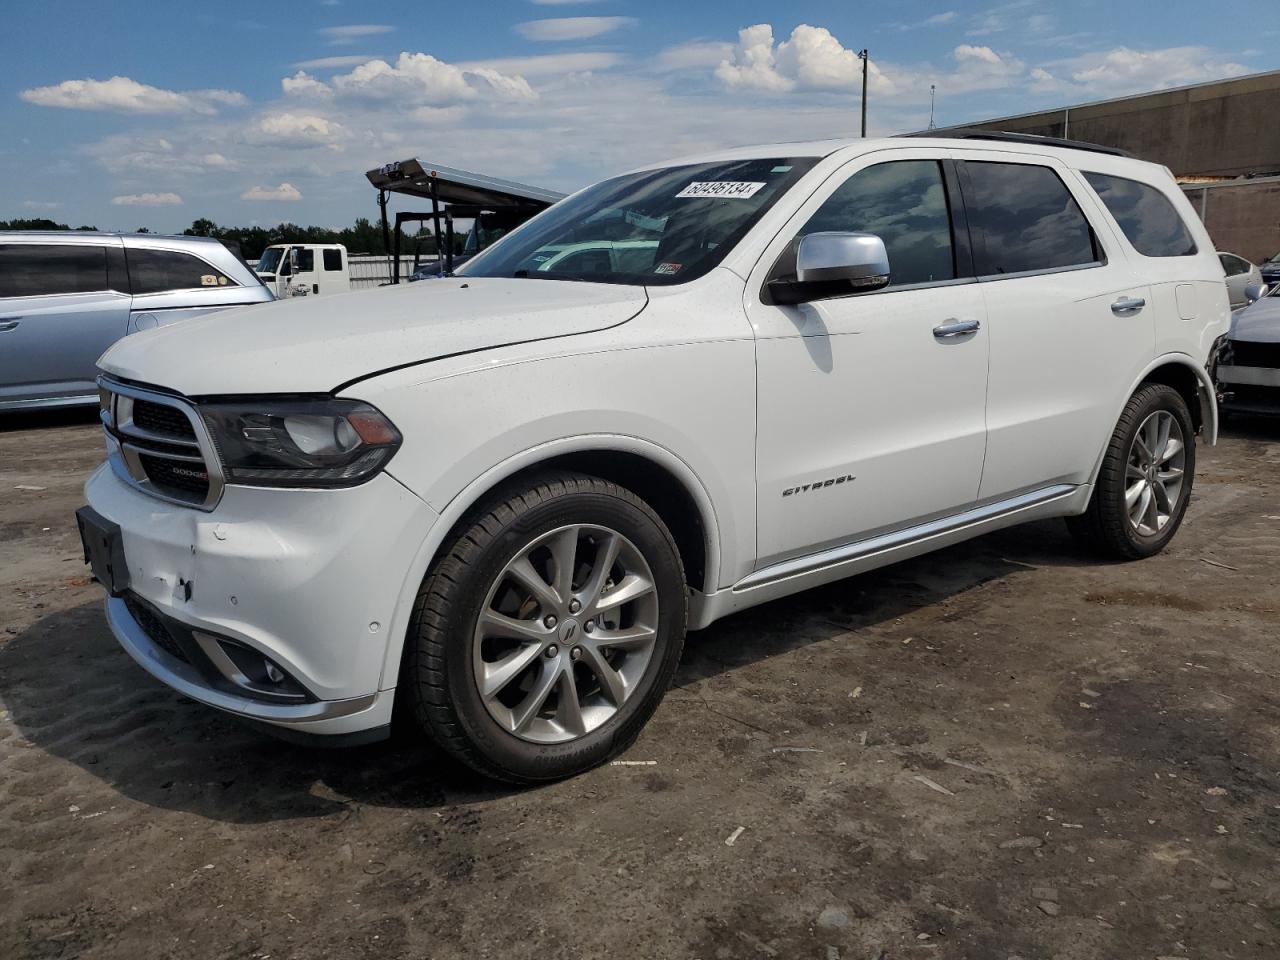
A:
[(904, 202), (1145, 215), (157, 271), (306, 260), (1025, 220), (332, 259), (41, 270), (1231, 265)]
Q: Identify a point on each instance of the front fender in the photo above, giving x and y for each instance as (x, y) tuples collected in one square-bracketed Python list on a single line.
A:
[(477, 489)]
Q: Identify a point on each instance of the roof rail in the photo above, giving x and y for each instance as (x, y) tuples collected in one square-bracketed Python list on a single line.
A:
[(976, 133)]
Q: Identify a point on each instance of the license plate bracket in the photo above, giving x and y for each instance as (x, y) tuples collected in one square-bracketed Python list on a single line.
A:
[(103, 550)]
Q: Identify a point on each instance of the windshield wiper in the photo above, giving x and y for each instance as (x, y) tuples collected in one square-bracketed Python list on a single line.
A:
[(550, 275)]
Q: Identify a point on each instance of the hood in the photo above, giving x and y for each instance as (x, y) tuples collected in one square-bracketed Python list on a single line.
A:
[(1257, 323), (314, 344)]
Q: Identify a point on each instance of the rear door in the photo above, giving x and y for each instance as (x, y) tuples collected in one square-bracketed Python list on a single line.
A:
[(61, 306), (173, 285), (1068, 319)]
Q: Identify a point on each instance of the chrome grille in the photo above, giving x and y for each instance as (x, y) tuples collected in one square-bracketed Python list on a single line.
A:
[(157, 443)]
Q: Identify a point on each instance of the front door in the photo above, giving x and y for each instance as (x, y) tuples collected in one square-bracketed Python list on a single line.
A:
[(870, 417)]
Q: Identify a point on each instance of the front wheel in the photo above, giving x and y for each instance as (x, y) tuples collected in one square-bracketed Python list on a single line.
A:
[(1144, 483), (549, 631)]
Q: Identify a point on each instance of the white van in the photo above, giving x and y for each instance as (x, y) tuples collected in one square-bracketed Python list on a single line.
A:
[(305, 269)]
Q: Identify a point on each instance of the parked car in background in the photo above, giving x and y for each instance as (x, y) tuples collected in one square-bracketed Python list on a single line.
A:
[(1247, 366), (305, 269), (66, 296), (1270, 270), (498, 500), (1241, 277)]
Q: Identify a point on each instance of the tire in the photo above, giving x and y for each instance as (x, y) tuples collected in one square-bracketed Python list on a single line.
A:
[(504, 731), (1108, 525)]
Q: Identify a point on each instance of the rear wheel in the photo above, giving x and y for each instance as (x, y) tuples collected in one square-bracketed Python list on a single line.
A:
[(548, 633), (1144, 484)]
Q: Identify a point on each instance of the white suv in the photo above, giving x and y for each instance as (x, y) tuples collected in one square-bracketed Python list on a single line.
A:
[(499, 500)]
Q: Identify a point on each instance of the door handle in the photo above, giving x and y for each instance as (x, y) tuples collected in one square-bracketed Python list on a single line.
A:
[(956, 328), (1128, 306), (8, 323)]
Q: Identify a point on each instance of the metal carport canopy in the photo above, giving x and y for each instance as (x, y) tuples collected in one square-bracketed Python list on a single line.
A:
[(453, 186)]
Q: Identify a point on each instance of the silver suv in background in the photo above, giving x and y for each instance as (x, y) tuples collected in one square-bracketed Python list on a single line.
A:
[(66, 297)]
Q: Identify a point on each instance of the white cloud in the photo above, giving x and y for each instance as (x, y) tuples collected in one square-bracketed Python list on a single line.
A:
[(129, 96), (302, 84), (812, 58), (295, 129), (215, 160), (939, 19), (1123, 70), (550, 64), (419, 78), (339, 36), (692, 55), (146, 200), (333, 63), (41, 204), (285, 191), (571, 28)]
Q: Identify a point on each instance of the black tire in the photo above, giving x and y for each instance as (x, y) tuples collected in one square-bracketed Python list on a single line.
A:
[(438, 675), (1105, 526)]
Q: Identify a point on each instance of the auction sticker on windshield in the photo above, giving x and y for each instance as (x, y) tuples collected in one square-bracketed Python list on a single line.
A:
[(737, 189)]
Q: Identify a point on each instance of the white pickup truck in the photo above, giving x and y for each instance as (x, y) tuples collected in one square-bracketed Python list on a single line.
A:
[(498, 500), (305, 269)]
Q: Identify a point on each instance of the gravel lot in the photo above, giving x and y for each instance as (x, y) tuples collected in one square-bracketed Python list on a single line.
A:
[(1003, 750)]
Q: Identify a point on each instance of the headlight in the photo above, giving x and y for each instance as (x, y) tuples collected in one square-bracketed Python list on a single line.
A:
[(300, 443)]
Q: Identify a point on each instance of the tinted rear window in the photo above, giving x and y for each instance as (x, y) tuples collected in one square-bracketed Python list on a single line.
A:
[(1025, 219), (1145, 215), (158, 271), (34, 269)]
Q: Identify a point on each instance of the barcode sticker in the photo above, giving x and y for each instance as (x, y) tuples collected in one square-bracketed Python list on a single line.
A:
[(736, 189)]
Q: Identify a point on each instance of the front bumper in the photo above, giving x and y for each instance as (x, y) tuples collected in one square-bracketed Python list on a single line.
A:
[(314, 580), (1244, 389)]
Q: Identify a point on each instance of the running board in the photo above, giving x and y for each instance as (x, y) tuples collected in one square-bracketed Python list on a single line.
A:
[(801, 573)]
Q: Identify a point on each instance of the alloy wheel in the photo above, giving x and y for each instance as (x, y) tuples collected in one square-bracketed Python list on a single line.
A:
[(566, 633), (1154, 473)]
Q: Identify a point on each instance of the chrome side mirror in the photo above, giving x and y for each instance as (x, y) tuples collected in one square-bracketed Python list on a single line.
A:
[(858, 258), (1255, 291)]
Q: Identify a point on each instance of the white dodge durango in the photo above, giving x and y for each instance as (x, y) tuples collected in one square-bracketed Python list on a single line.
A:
[(497, 501)]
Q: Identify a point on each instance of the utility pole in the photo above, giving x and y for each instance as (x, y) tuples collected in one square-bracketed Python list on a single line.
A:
[(865, 57), (933, 90)]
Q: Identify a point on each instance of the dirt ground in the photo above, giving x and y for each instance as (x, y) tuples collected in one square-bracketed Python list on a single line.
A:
[(1004, 750)]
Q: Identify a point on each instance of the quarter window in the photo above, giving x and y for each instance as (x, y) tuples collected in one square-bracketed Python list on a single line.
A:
[(1025, 220), (1145, 215), (158, 271), (1232, 266), (40, 270), (903, 202)]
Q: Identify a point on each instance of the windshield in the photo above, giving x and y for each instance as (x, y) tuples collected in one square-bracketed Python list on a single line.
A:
[(658, 227), (270, 259)]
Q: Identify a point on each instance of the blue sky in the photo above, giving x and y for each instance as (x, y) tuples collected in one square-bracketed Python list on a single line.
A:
[(122, 116)]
